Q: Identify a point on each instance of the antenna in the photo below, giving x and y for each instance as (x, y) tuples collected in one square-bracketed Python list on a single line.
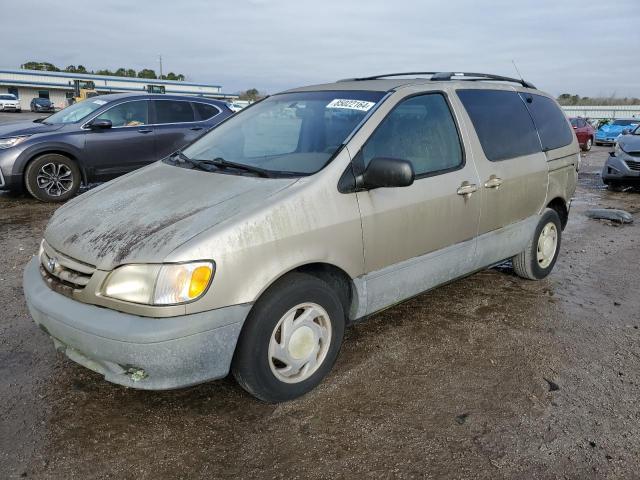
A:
[(517, 71)]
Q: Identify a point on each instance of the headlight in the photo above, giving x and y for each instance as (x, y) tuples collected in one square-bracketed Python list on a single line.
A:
[(618, 150), (167, 284), (11, 141)]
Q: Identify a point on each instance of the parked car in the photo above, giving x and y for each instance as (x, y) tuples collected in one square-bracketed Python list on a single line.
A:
[(251, 249), (609, 133), (622, 168), (99, 139), (584, 132), (42, 105), (9, 102)]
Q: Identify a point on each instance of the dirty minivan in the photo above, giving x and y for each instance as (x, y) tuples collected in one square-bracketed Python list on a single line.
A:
[(250, 250)]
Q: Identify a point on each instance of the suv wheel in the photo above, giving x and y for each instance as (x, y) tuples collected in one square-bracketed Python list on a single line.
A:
[(537, 261), (588, 144), (290, 339), (52, 178)]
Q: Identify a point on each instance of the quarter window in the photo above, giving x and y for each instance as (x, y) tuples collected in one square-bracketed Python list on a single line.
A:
[(205, 111), (550, 121), (421, 130), (502, 122), (173, 111), (128, 114)]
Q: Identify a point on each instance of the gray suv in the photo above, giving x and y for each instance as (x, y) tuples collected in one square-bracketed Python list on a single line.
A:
[(99, 139), (252, 249)]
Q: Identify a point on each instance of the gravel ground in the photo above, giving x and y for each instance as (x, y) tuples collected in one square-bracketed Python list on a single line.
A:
[(489, 377)]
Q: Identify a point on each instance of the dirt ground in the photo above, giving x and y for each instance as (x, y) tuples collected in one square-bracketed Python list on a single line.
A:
[(489, 377)]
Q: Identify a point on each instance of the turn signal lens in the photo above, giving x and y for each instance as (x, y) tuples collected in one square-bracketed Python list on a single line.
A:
[(199, 281)]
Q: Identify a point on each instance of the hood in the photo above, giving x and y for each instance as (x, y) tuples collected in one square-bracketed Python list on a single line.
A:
[(26, 128), (145, 215), (630, 143), (615, 129)]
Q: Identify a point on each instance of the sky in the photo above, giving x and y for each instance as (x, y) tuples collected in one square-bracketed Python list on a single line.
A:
[(583, 47)]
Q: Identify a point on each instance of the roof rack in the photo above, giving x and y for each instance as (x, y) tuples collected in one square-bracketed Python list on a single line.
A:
[(440, 76)]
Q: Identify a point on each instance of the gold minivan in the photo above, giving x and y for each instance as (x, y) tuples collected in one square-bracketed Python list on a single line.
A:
[(251, 249)]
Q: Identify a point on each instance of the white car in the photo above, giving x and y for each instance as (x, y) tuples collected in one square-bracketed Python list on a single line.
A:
[(9, 101)]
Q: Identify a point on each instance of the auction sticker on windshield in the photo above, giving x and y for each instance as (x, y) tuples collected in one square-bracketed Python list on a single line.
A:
[(99, 102), (351, 104)]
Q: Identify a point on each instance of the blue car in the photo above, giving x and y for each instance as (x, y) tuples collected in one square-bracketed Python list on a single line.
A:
[(99, 139), (608, 134)]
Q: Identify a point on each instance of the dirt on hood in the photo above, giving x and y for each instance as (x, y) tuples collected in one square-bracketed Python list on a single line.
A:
[(144, 216)]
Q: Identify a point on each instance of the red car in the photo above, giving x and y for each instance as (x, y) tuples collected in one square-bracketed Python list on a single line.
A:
[(584, 131)]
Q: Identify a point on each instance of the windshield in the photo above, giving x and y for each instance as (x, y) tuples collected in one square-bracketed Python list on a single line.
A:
[(625, 123), (7, 97), (293, 133), (75, 112), (44, 101)]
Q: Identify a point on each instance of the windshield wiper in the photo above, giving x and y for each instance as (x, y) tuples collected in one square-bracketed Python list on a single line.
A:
[(222, 164)]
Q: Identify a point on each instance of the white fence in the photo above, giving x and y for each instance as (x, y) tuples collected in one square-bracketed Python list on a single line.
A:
[(602, 112)]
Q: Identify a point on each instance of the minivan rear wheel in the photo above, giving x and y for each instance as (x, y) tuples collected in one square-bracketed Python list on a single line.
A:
[(52, 178), (290, 339), (537, 261)]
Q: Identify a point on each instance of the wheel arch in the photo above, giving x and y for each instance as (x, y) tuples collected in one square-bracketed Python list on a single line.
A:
[(560, 206), (338, 279)]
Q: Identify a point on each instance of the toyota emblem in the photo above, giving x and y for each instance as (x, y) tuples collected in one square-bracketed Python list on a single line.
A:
[(52, 264)]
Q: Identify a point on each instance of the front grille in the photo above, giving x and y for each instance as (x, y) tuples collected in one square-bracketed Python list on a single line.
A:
[(634, 154), (63, 273), (635, 166)]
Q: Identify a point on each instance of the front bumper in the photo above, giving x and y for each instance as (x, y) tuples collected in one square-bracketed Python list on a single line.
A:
[(607, 140), (138, 352), (10, 108), (623, 170)]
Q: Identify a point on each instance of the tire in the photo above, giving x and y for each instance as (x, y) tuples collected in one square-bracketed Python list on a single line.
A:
[(294, 297), (588, 144), (537, 261), (62, 171)]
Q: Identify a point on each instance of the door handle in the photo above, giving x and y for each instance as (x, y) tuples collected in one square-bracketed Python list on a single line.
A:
[(195, 129), (467, 189), (145, 130), (493, 182)]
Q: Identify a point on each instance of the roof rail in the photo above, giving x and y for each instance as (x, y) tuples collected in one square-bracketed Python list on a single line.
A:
[(440, 76)]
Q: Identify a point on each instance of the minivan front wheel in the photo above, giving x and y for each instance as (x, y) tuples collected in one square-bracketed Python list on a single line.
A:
[(537, 261), (52, 178), (290, 339)]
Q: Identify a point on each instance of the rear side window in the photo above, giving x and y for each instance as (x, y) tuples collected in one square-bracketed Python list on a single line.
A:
[(205, 111), (502, 122), (550, 121), (173, 111), (421, 130)]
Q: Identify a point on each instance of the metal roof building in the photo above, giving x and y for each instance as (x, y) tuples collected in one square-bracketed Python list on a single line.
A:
[(58, 86)]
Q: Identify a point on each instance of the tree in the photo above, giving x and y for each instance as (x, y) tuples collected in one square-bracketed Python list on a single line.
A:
[(252, 95), (46, 66), (131, 72), (173, 76), (147, 73), (81, 69), (105, 71), (121, 72), (70, 69)]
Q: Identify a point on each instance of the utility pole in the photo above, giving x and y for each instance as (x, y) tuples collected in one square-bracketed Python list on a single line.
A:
[(160, 66)]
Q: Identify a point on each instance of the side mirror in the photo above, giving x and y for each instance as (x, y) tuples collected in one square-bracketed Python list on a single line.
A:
[(388, 172), (100, 124)]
